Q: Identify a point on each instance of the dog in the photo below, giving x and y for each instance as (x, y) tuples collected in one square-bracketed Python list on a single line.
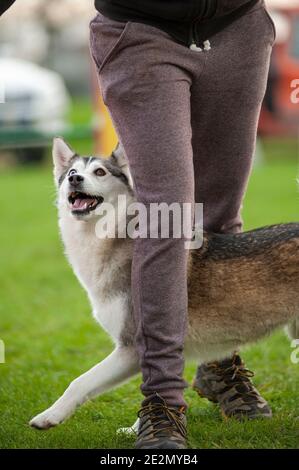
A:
[(241, 287)]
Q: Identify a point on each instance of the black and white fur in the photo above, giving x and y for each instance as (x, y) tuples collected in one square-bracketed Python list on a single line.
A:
[(102, 267)]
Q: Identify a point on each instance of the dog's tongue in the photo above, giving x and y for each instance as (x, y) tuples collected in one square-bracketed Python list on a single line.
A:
[(82, 204)]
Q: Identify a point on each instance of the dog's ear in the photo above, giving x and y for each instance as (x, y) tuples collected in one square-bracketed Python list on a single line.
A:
[(118, 156), (62, 154), (119, 159)]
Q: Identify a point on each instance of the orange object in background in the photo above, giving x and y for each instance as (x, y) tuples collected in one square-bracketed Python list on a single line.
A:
[(105, 135), (280, 116)]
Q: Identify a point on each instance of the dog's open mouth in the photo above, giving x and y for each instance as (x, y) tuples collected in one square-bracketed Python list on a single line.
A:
[(82, 203)]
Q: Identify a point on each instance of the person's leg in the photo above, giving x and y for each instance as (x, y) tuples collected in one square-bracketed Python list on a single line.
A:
[(148, 95), (226, 102)]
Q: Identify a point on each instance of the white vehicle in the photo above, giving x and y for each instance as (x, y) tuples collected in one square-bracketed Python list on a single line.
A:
[(33, 106)]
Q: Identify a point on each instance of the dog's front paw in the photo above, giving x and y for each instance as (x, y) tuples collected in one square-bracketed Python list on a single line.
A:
[(129, 431), (46, 420)]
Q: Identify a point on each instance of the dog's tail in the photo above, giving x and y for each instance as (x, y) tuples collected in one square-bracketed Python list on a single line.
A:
[(292, 329)]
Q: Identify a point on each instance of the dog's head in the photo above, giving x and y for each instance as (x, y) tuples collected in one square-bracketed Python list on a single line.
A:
[(84, 183)]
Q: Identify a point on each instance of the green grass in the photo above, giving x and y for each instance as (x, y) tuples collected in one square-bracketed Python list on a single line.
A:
[(51, 337)]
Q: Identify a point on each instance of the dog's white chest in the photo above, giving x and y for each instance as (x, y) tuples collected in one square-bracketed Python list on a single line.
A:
[(111, 315), (99, 271)]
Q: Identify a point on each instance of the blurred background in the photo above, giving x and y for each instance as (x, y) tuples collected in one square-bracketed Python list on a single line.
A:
[(50, 88), (49, 84)]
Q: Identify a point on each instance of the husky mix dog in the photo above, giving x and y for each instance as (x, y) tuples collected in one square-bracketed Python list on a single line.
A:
[(241, 287)]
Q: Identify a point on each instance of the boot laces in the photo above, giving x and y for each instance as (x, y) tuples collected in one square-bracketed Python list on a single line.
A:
[(237, 374), (162, 418)]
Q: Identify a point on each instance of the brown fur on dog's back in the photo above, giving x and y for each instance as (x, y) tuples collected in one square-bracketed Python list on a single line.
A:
[(242, 286)]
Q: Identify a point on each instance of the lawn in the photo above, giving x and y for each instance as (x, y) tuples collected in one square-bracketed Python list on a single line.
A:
[(51, 338)]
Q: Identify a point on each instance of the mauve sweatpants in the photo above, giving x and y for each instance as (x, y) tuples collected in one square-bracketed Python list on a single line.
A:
[(187, 121)]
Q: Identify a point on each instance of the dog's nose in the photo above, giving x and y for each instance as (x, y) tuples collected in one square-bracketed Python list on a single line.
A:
[(75, 180)]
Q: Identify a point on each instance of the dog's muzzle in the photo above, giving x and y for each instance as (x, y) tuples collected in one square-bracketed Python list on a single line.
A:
[(82, 203)]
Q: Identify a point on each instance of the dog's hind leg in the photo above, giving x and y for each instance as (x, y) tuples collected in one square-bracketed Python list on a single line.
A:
[(118, 367)]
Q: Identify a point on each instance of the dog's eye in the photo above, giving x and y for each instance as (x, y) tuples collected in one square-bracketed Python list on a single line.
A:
[(72, 172), (100, 172)]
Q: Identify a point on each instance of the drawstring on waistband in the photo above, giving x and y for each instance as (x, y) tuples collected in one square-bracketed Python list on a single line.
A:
[(206, 46)]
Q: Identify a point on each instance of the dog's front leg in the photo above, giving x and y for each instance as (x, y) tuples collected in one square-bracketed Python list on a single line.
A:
[(119, 366)]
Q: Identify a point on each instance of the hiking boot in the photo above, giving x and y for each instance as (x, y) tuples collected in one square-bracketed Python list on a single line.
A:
[(228, 383), (161, 426)]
